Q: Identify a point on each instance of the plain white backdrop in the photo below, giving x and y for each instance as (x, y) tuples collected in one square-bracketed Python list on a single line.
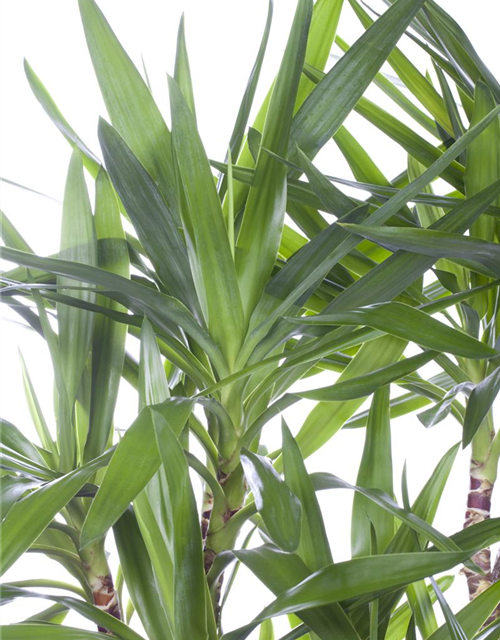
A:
[(223, 37)]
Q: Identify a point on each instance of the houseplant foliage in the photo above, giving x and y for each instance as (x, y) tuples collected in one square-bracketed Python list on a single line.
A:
[(232, 307)]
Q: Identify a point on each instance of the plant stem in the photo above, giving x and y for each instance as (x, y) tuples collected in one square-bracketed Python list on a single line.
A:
[(100, 580), (214, 540), (483, 473)]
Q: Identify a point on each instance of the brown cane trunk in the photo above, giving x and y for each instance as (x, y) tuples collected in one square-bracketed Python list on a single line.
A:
[(478, 510), (106, 598)]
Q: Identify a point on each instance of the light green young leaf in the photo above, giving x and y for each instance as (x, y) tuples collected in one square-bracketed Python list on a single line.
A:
[(327, 106), (108, 341), (189, 576), (182, 73), (139, 576), (208, 244), (375, 471), (78, 244), (260, 233)]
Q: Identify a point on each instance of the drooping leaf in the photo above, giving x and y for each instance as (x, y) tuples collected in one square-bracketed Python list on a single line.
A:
[(313, 548), (280, 571), (103, 619), (480, 402), (280, 509), (29, 517), (353, 578), (408, 323)]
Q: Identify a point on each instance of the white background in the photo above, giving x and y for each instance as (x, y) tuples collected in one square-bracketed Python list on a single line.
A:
[(223, 37)]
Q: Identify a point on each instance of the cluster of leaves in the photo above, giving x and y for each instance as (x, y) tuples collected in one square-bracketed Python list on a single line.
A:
[(232, 307)]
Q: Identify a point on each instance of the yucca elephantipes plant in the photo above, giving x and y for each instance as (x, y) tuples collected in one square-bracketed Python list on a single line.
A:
[(232, 307)]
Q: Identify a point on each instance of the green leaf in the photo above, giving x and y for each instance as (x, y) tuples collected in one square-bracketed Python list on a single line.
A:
[(154, 221), (383, 501), (401, 616), (208, 244), (354, 578), (404, 135), (326, 419), (456, 630), (12, 437), (483, 169), (375, 471), (473, 615), (78, 244), (480, 402), (91, 162), (139, 577), (29, 517), (46, 632), (128, 100), (438, 244), (260, 233), (12, 488), (182, 73), (313, 548), (408, 105), (426, 504), (441, 409), (266, 630), (161, 309), (279, 571), (137, 450), (327, 106), (89, 611), (412, 79), (399, 271), (189, 575), (300, 276), (421, 604), (11, 236), (108, 341), (458, 47), (366, 384), (247, 100), (405, 322), (280, 509), (153, 385), (36, 412)]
